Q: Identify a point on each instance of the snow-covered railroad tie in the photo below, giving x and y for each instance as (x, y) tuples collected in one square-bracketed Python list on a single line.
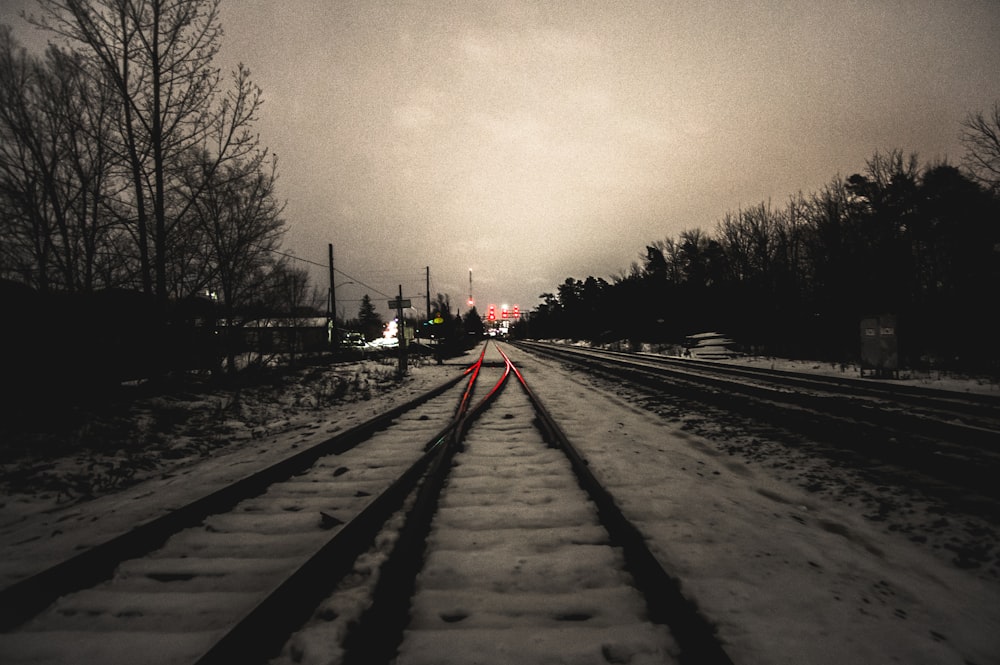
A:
[(511, 556), (168, 589), (463, 526)]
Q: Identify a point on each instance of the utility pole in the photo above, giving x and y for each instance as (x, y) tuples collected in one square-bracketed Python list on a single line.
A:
[(428, 269), (331, 315)]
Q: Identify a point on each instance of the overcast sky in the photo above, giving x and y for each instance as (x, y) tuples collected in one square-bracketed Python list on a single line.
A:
[(532, 141)]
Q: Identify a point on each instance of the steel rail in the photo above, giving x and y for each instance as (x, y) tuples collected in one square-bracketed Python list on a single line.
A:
[(792, 377), (965, 458), (948, 420), (980, 413), (665, 601), (261, 632), (24, 599), (379, 632)]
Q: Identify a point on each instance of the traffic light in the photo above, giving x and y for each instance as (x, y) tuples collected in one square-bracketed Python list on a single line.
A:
[(517, 312), (503, 313), (492, 315)]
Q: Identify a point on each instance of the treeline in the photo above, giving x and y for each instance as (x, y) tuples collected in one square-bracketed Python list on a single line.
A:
[(138, 207), (921, 243), (128, 160)]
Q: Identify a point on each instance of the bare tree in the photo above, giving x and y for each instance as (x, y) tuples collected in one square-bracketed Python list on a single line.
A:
[(157, 55), (56, 170), (83, 113), (981, 137), (24, 169), (235, 225)]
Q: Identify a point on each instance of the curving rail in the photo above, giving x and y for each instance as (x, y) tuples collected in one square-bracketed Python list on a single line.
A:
[(388, 628)]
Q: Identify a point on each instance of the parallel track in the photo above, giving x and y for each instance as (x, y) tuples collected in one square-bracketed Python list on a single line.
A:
[(948, 437)]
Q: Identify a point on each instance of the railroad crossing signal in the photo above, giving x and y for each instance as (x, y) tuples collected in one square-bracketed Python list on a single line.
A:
[(506, 313)]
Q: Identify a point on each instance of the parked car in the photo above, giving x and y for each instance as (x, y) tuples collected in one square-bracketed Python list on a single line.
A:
[(351, 338)]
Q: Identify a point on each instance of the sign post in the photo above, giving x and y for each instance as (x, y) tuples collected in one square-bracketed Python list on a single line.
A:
[(398, 304), (879, 346)]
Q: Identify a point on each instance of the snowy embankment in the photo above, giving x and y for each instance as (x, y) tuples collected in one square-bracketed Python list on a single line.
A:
[(928, 378), (789, 575), (222, 437)]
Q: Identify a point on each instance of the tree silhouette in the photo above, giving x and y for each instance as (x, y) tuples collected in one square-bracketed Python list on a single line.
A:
[(472, 323), (981, 137), (370, 321), (895, 238), (156, 55)]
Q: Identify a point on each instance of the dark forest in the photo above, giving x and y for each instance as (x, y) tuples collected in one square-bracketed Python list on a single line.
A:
[(919, 243)]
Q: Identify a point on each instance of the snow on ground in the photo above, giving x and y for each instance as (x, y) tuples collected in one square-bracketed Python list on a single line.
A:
[(928, 378), (789, 575), (938, 379), (45, 516), (516, 550)]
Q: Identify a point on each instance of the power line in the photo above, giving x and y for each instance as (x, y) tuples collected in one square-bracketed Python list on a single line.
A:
[(337, 270), (356, 280), (297, 258)]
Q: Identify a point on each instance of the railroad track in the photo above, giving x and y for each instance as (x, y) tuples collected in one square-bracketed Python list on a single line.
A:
[(164, 590), (948, 437), (505, 529)]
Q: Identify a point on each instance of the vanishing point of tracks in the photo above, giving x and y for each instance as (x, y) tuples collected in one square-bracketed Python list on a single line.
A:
[(231, 577)]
